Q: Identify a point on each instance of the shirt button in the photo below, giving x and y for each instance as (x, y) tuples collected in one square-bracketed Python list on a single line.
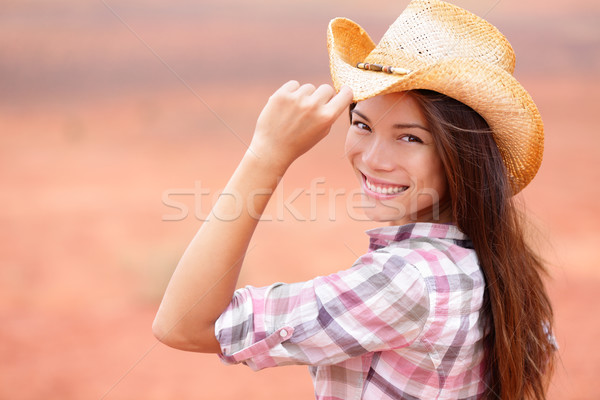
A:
[(283, 333)]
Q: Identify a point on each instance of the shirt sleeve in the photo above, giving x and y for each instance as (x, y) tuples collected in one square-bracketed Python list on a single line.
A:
[(380, 303)]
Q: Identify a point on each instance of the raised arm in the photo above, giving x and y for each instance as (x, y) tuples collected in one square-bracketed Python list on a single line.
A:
[(295, 118)]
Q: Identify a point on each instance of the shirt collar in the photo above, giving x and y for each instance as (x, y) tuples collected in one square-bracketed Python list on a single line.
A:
[(384, 236)]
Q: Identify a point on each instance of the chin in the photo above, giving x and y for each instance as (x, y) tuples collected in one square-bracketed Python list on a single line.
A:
[(394, 219)]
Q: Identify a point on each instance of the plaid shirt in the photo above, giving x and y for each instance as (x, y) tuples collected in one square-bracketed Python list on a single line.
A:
[(402, 323)]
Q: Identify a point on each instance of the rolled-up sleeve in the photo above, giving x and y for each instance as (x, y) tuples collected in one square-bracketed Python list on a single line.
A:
[(380, 303)]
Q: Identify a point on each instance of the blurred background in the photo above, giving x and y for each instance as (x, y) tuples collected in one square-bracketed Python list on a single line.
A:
[(121, 120)]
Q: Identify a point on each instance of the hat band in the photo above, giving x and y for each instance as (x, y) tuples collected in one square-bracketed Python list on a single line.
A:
[(383, 68)]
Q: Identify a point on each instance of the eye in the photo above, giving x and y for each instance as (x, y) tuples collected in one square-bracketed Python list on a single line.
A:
[(361, 126), (411, 139)]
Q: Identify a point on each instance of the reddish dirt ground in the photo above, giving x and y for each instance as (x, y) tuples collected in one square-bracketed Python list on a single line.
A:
[(115, 115)]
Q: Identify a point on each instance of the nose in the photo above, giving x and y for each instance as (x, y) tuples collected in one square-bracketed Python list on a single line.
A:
[(378, 155)]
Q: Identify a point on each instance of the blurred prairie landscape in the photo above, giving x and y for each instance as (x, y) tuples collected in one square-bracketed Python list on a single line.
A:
[(120, 121)]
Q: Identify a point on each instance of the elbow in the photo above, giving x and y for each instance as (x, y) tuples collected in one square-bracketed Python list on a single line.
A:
[(170, 334), (174, 336), (160, 332)]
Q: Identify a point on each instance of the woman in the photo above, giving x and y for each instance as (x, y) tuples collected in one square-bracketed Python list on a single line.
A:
[(448, 302)]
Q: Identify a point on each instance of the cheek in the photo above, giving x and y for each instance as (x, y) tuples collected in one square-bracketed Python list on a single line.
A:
[(438, 176), (434, 177), (350, 147)]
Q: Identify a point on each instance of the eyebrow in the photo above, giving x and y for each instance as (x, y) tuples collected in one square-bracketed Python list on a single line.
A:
[(397, 126)]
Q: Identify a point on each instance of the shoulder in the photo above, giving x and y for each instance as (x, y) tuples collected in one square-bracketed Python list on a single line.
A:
[(445, 266), (432, 248)]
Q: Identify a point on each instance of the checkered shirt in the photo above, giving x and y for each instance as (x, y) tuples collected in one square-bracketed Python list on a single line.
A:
[(402, 323)]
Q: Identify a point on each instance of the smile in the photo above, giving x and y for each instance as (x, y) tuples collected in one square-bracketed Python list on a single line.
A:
[(383, 188)]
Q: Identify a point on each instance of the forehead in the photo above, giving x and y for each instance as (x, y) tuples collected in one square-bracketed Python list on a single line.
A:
[(392, 108)]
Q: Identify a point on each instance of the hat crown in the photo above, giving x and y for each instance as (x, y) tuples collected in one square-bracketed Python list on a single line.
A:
[(429, 31)]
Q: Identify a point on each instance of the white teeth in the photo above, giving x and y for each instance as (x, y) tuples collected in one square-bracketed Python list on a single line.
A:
[(384, 190)]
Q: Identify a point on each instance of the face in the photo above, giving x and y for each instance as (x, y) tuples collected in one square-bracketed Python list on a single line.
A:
[(396, 161)]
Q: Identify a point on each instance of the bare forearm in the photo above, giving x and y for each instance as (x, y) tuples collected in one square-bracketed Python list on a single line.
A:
[(205, 278), (293, 121)]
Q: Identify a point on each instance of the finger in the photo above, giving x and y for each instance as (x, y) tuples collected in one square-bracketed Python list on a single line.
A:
[(324, 93), (290, 86), (340, 101), (306, 89)]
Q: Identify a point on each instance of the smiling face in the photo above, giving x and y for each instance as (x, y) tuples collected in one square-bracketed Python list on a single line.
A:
[(395, 158)]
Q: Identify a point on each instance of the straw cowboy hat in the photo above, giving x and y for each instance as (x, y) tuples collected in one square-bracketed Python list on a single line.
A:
[(437, 46)]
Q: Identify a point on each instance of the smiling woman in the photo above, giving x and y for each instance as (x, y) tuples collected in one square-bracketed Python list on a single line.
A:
[(448, 302), (396, 161)]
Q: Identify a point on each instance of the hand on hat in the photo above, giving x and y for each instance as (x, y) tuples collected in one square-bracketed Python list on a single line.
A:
[(295, 118)]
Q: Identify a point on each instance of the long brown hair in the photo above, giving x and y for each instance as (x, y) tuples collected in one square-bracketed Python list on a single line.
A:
[(517, 312)]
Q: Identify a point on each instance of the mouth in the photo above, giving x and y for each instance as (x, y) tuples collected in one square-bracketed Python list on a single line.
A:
[(381, 190)]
